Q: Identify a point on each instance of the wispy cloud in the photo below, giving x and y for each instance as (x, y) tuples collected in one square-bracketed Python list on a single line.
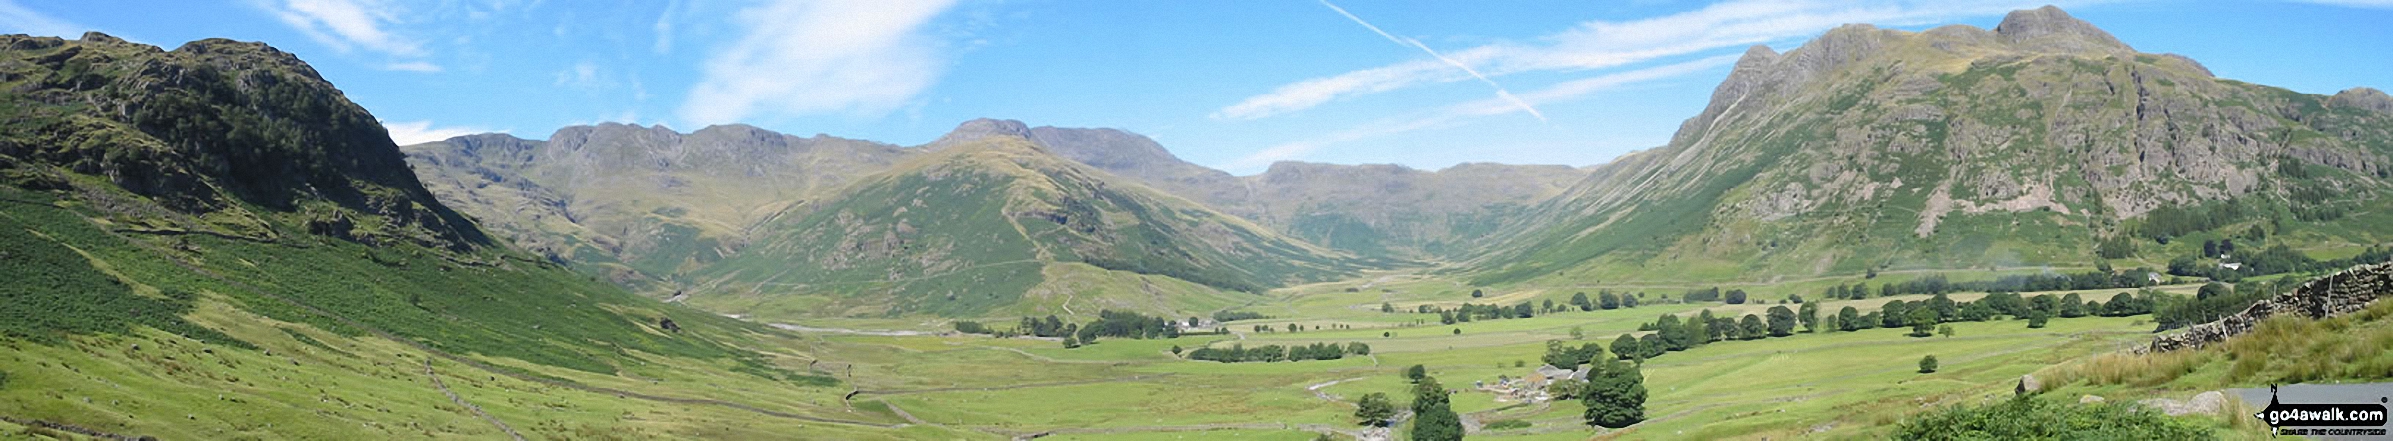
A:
[(419, 132), (345, 24), (17, 19), (584, 75), (1454, 115), (354, 25), (1416, 43), (1607, 44), (801, 57)]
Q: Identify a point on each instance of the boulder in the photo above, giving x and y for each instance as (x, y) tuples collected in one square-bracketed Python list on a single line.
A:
[(2028, 385), (2203, 403), (2089, 399)]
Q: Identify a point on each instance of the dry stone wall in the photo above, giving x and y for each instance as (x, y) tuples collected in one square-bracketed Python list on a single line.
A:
[(2335, 294)]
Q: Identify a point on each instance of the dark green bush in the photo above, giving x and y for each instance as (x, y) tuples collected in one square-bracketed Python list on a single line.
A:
[(2037, 418)]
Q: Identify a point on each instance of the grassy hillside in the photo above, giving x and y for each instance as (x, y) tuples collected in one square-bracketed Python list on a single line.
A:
[(312, 289), (972, 228), (1883, 150)]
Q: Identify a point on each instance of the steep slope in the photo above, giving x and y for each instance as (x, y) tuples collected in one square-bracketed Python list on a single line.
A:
[(218, 221), (640, 205), (1382, 211), (974, 226), (1959, 147)]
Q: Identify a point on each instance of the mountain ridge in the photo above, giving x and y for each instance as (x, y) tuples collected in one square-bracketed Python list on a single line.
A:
[(1853, 151)]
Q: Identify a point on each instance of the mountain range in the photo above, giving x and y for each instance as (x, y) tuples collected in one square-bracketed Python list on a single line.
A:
[(1864, 150), (743, 219)]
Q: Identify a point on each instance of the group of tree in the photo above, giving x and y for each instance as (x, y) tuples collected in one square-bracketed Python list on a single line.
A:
[(1938, 284), (1270, 353), (1673, 334), (1109, 323), (1604, 299), (2213, 301), (1469, 311), (2275, 259), (1231, 316), (1562, 355), (1923, 316)]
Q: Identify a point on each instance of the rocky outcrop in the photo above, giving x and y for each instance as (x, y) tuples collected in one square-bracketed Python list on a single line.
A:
[(2336, 294), (2049, 27), (2363, 98)]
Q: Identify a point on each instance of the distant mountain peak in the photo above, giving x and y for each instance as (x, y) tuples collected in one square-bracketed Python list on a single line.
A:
[(981, 128), (2051, 27)]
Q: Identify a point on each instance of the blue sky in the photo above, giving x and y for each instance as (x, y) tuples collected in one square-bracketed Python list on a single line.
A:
[(1234, 85)]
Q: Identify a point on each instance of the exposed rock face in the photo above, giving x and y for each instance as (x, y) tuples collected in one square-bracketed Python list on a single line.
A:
[(2337, 294)]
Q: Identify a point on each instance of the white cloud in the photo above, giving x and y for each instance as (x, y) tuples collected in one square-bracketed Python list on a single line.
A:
[(413, 66), (801, 57), (419, 132), (1603, 44), (1455, 114), (346, 24), (16, 19)]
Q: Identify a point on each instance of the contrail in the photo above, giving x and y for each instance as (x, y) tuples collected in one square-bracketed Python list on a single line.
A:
[(1500, 92)]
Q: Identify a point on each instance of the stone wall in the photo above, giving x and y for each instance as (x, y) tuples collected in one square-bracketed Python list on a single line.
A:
[(2335, 294)]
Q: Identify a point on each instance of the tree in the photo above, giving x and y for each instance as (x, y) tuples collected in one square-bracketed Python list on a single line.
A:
[(1433, 415), (2213, 289), (1176, 350), (1947, 330), (1736, 297), (1629, 302), (1782, 321), (1524, 310), (1927, 364), (1580, 300), (1894, 314), (1357, 348), (1457, 331), (1752, 327), (1923, 322), (1387, 308), (1578, 334), (1476, 294), (1611, 301), (1548, 306), (1565, 389), (2036, 319), (1375, 409), (1070, 343), (1626, 347), (1615, 395), (1416, 373), (2072, 306), (1848, 318), (1809, 315)]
